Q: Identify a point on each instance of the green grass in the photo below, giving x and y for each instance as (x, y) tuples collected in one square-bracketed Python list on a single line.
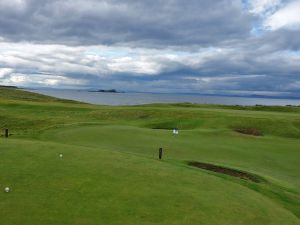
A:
[(110, 174)]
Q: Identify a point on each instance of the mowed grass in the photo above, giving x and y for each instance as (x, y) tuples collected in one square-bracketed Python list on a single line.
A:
[(110, 174)]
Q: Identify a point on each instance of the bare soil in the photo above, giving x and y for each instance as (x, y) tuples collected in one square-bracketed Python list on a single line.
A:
[(249, 131), (224, 170)]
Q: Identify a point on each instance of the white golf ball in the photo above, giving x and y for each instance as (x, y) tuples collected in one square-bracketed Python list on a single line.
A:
[(7, 189), (60, 155)]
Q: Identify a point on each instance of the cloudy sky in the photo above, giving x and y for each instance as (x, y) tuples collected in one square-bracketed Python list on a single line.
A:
[(191, 46)]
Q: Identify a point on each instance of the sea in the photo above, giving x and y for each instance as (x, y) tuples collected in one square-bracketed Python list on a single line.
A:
[(101, 98)]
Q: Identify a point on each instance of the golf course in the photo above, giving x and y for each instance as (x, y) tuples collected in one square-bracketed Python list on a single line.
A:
[(72, 163)]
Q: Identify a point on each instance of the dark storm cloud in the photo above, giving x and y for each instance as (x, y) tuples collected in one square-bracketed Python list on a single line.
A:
[(129, 22), (282, 39)]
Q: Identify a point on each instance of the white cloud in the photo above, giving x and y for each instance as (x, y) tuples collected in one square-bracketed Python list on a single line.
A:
[(144, 69), (5, 71), (97, 60), (286, 17), (263, 6), (224, 78), (134, 65), (16, 5), (49, 80)]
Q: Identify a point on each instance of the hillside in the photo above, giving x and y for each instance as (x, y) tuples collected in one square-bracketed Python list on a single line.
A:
[(13, 93)]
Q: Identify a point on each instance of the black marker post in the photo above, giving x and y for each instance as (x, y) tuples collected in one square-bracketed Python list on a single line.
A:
[(6, 133), (160, 152)]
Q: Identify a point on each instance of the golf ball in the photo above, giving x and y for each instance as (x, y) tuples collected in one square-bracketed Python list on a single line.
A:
[(7, 189), (60, 155)]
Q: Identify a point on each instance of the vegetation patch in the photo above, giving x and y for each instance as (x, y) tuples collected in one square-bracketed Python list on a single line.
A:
[(227, 171), (249, 131)]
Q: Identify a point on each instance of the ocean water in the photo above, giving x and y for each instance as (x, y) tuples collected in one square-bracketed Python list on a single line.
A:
[(147, 98)]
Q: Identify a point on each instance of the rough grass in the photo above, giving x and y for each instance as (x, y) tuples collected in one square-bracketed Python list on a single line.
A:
[(22, 110)]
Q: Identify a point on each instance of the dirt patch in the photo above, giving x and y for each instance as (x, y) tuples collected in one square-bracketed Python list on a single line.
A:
[(227, 171), (249, 131)]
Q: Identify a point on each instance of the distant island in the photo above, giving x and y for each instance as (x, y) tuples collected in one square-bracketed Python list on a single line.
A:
[(107, 91)]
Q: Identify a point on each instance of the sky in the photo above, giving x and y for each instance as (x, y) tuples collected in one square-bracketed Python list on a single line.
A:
[(228, 47)]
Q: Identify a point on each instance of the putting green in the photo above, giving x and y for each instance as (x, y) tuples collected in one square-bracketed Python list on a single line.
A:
[(273, 158)]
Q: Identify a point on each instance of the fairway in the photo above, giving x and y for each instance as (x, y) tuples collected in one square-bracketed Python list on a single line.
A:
[(109, 172)]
